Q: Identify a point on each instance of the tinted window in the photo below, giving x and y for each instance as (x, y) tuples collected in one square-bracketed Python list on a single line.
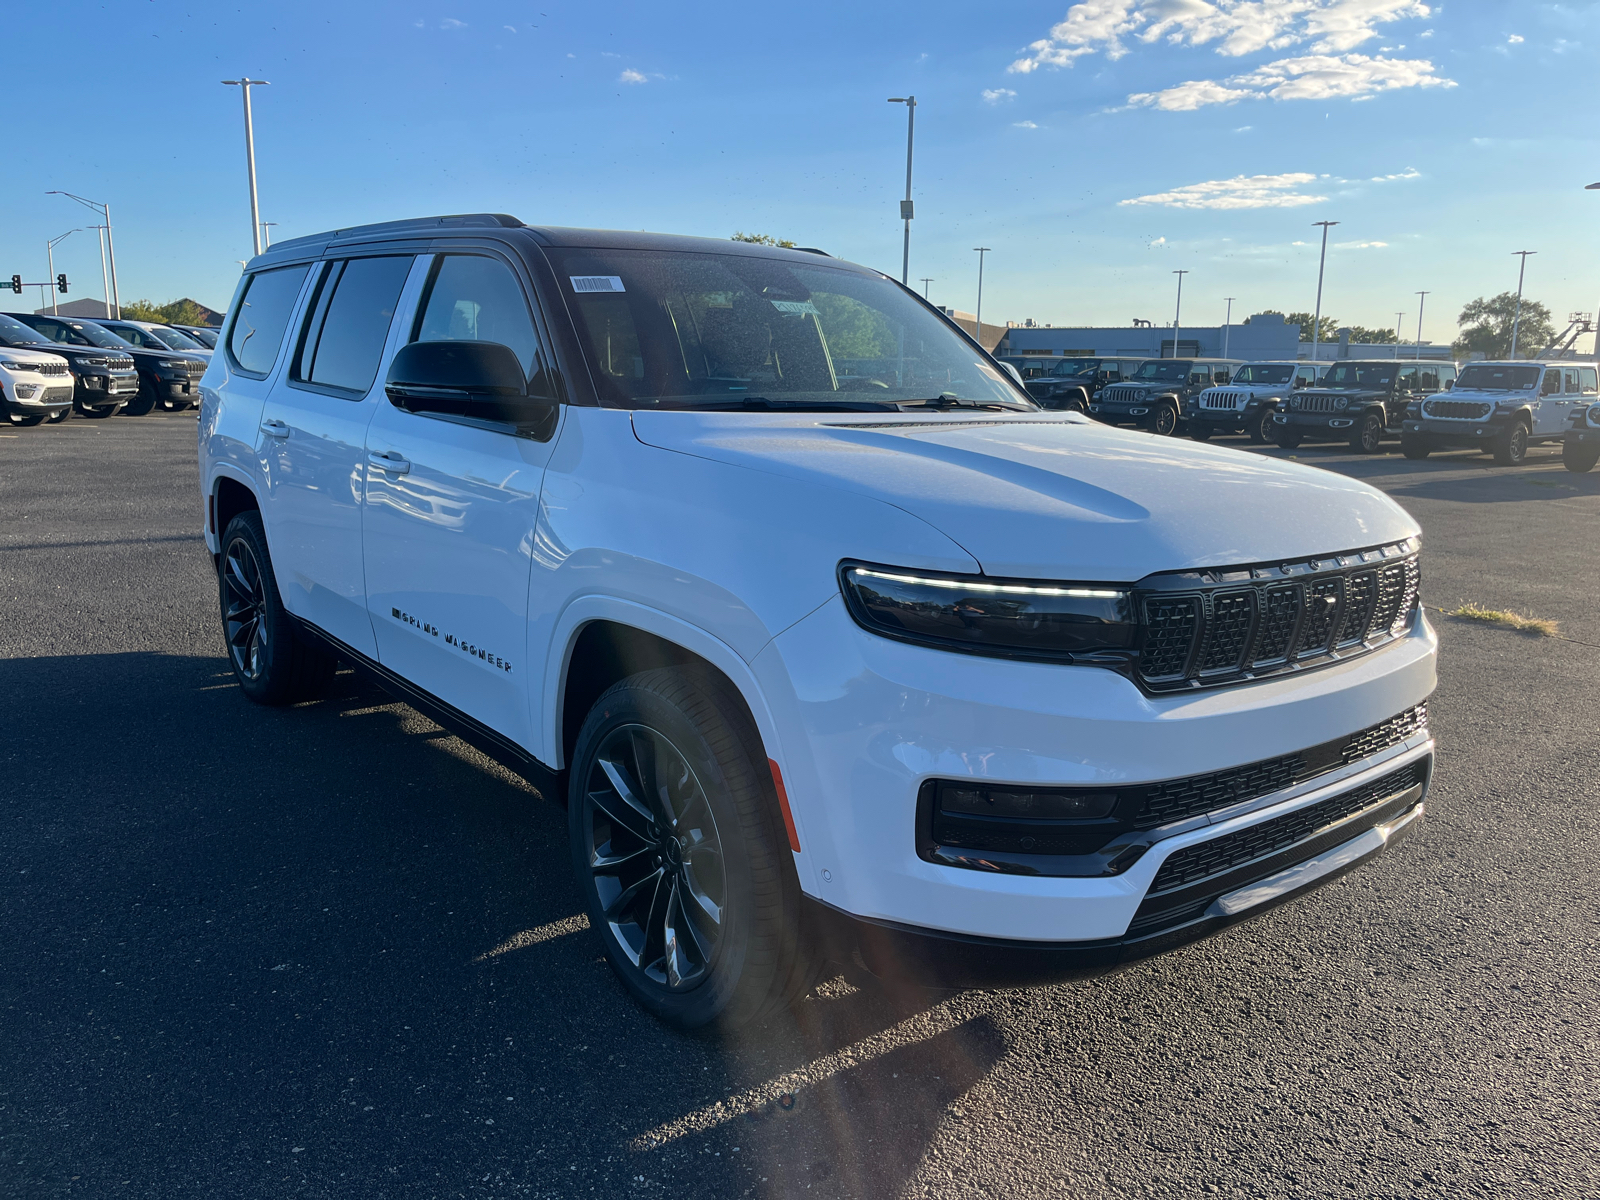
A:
[(1429, 377), (1552, 383), (472, 298), (14, 333), (1408, 379), (1485, 378), (350, 322), (263, 316)]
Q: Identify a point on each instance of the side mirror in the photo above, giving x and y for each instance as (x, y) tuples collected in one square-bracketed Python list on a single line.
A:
[(464, 379), (1011, 370)]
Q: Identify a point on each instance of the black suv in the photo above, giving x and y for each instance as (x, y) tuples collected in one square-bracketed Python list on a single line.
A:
[(103, 378), (1155, 395), (165, 376), (1360, 401), (1068, 383)]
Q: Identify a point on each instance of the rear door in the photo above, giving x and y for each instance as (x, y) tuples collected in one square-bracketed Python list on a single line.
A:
[(1550, 409), (313, 450)]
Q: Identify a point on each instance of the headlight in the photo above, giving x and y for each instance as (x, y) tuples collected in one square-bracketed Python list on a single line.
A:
[(175, 364), (26, 368), (1341, 403), (1594, 414), (1004, 617), (1143, 394), (1294, 402)]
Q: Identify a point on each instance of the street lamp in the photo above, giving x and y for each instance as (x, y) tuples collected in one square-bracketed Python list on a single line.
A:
[(1595, 187), (905, 205), (1177, 317), (1516, 320), (925, 282), (1422, 298), (1399, 319), (1227, 323), (244, 86), (978, 316), (50, 258), (1316, 318), (266, 237), (113, 300)]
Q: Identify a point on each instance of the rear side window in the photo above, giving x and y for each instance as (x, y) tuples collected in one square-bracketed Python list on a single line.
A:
[(1587, 376), (349, 322), (474, 298), (263, 315)]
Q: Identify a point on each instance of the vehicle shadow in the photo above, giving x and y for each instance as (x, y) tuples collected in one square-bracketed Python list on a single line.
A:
[(331, 949)]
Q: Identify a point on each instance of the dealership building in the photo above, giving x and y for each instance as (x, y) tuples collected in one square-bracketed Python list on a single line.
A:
[(1265, 337)]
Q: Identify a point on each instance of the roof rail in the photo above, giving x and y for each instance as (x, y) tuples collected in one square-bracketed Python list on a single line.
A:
[(415, 225)]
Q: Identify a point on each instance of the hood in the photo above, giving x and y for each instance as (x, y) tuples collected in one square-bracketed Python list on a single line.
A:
[(1055, 497), (23, 354)]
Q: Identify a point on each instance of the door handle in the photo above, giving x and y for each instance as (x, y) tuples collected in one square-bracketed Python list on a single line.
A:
[(389, 461), (277, 429)]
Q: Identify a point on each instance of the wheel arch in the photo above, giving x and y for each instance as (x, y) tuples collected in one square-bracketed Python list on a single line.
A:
[(229, 497)]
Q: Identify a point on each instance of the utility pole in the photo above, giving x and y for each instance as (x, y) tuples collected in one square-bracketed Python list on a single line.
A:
[(925, 282), (1227, 323), (244, 86), (50, 259), (905, 205), (1316, 318), (1516, 321), (978, 316), (113, 299), (1177, 317), (1422, 298), (1399, 319)]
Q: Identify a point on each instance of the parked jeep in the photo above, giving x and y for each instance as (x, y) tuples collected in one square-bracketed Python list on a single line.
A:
[(1362, 401), (102, 381), (1248, 400), (1069, 383), (1502, 408), (1155, 395), (1580, 447)]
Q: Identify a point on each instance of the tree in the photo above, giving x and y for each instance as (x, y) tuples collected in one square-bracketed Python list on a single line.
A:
[(761, 239), (173, 312), (1371, 337), (1486, 326), (1329, 327)]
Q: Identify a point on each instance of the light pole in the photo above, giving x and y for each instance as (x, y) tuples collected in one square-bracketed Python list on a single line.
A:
[(1316, 318), (266, 236), (1516, 320), (50, 259), (1422, 298), (905, 205), (978, 316), (244, 86), (1227, 324), (1177, 317), (113, 299), (925, 282), (1399, 319)]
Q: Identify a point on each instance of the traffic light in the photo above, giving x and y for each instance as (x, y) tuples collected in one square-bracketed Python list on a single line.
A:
[(16, 284), (61, 284)]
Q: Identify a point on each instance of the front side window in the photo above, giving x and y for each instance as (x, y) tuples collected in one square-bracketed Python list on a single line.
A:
[(1552, 383), (1571, 374), (1586, 379), (179, 340), (1408, 379), (682, 329), (1305, 376), (474, 298), (14, 333), (350, 321), (263, 315)]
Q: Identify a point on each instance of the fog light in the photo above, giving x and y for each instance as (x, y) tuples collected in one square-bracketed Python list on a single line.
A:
[(1019, 804), (27, 391)]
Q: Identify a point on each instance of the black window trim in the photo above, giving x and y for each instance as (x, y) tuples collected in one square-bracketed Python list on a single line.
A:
[(332, 268)]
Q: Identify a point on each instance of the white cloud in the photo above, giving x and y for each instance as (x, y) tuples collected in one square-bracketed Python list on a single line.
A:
[(1514, 40), (1314, 77), (1244, 129), (996, 95), (509, 28), (1024, 125), (629, 75), (1359, 245), (609, 54), (1160, 241), (1236, 26), (1242, 191), (452, 23), (1408, 173)]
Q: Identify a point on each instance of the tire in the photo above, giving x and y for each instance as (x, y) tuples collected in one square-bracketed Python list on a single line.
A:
[(270, 661), (1511, 450), (1415, 446), (59, 416), (1289, 439), (141, 404), (98, 412), (1164, 421), (28, 422), (1260, 427), (1201, 431), (1580, 460), (1367, 437), (690, 888)]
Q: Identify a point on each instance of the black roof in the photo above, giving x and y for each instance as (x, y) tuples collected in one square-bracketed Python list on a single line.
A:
[(313, 245)]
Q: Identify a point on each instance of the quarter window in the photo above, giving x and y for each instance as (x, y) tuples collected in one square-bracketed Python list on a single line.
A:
[(350, 322), (263, 315), (474, 298), (1586, 377)]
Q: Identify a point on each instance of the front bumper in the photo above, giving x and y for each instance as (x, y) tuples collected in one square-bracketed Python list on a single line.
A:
[(175, 387), (1582, 437), (1121, 414), (45, 400), (1462, 433), (871, 720), (1333, 425), (1224, 418), (97, 389)]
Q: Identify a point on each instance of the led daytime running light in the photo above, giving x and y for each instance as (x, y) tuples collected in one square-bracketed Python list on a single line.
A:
[(1003, 589)]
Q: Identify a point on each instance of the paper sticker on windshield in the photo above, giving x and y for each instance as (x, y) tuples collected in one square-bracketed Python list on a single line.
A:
[(800, 308), (597, 283)]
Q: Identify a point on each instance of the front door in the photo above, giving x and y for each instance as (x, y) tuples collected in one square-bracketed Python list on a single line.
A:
[(314, 429), (451, 507)]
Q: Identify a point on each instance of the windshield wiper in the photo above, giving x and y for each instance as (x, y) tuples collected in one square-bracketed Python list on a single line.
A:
[(951, 400), (768, 404)]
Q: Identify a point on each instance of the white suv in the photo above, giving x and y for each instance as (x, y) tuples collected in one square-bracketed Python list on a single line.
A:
[(830, 642), (1247, 402), (34, 385)]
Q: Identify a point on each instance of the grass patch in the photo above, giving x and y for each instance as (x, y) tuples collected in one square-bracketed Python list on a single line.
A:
[(1536, 626)]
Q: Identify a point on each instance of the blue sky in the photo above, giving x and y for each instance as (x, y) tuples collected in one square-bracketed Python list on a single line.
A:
[(1096, 147)]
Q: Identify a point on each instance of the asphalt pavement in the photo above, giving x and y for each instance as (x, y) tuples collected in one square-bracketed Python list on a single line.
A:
[(330, 951)]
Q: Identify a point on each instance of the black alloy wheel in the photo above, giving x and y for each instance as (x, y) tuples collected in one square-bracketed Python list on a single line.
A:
[(685, 868), (1511, 449), (1367, 438), (1165, 421), (28, 422), (1579, 459), (244, 604), (143, 401), (270, 661), (1260, 426)]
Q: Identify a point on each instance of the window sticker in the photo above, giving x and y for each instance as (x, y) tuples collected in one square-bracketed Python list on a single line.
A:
[(597, 283), (799, 308)]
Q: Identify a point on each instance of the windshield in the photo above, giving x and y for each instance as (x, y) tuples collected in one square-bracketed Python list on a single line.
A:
[(1481, 377), (1077, 366), (206, 337), (1359, 375), (680, 329), (1162, 369), (97, 336), (178, 340), (1263, 373), (14, 333)]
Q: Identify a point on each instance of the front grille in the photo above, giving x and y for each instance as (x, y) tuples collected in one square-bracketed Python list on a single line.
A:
[(52, 368), (119, 364), (196, 368), (1225, 400), (1222, 626), (56, 395), (116, 386), (1320, 404), (1457, 410), (1179, 799), (1118, 395), (1231, 850)]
